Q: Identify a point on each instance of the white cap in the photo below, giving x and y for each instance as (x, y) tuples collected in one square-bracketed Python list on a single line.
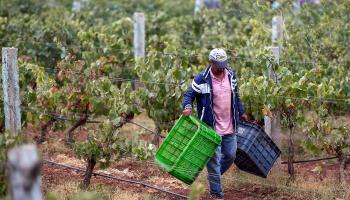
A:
[(219, 57)]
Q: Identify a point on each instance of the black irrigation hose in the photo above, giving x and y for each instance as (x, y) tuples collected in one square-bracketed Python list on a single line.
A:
[(142, 126), (116, 178), (95, 121), (311, 160), (66, 119)]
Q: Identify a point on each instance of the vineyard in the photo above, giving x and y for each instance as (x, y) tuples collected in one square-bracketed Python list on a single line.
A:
[(100, 85)]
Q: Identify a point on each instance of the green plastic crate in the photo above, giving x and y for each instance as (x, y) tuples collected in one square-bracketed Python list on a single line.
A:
[(187, 148)]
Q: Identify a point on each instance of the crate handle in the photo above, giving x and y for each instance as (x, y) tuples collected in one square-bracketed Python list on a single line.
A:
[(195, 121)]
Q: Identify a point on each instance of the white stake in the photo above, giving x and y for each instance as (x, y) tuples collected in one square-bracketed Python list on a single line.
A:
[(10, 83)]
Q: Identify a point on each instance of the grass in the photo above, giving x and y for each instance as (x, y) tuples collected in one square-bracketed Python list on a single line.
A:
[(276, 186), (72, 191)]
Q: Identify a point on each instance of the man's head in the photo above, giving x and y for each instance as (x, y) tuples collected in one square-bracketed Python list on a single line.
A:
[(218, 59)]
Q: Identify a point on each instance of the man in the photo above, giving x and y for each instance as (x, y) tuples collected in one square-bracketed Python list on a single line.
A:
[(218, 104)]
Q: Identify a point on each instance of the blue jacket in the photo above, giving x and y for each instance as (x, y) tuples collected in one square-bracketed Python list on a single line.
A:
[(201, 90)]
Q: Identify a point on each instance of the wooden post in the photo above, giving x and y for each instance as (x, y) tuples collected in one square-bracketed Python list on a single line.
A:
[(212, 4), (296, 7), (277, 30), (198, 6), (272, 126), (267, 125), (139, 43), (24, 173), (275, 50), (276, 39), (10, 83), (139, 35), (78, 5)]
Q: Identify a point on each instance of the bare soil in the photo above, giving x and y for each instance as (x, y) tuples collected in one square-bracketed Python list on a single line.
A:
[(148, 172)]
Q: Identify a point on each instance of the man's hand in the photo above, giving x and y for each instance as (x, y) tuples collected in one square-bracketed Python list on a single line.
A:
[(244, 117), (187, 112)]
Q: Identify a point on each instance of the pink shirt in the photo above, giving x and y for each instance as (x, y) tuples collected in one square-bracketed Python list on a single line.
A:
[(222, 104)]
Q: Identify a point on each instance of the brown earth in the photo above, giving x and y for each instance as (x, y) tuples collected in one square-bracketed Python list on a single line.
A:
[(148, 172)]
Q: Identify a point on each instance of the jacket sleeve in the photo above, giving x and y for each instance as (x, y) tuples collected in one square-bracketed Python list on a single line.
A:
[(190, 94)]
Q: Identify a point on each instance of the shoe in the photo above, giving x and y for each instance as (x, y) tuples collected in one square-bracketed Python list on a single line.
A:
[(216, 196)]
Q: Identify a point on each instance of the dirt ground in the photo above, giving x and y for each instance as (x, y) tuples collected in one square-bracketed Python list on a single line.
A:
[(148, 172)]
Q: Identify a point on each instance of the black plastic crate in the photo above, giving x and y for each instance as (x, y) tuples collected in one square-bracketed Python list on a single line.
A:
[(256, 152)]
